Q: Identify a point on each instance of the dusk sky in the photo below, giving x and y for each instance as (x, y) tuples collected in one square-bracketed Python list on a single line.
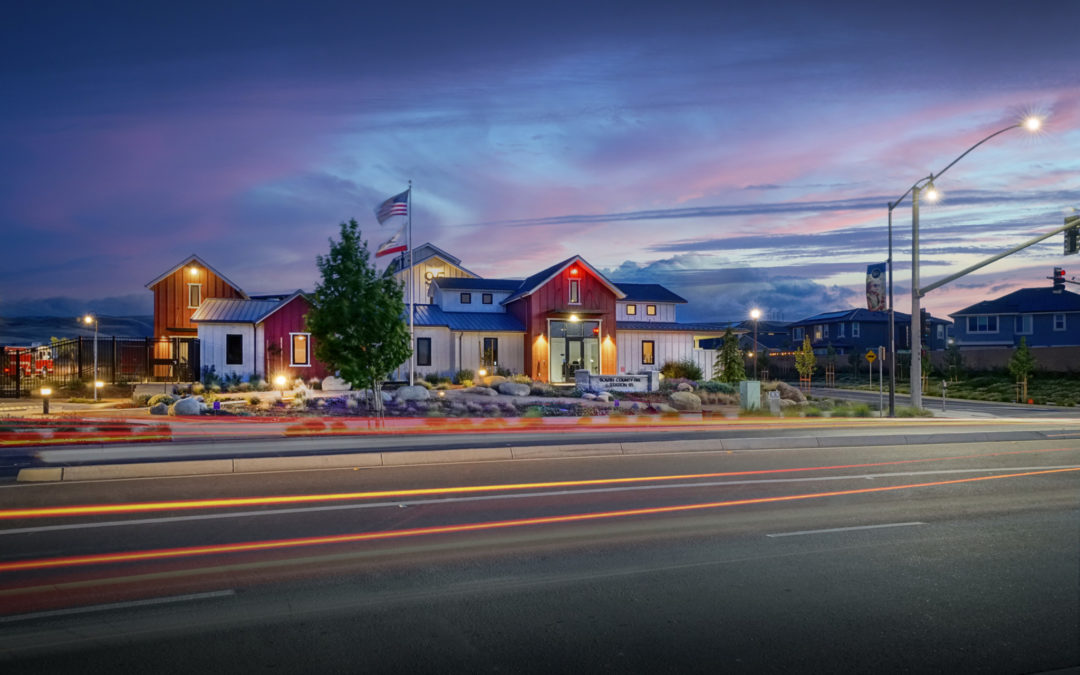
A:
[(740, 154)]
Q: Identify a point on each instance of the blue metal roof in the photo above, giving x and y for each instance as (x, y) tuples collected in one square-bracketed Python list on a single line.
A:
[(233, 310), (647, 293), (675, 326), (1026, 301), (466, 284), (433, 315), (861, 315)]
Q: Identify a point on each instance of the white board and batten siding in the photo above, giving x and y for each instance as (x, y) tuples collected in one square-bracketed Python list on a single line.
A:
[(212, 347), (667, 346), (665, 311), (449, 300), (452, 351), (421, 285)]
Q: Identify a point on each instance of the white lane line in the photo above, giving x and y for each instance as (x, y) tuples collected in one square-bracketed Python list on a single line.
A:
[(484, 498), (117, 605), (842, 529)]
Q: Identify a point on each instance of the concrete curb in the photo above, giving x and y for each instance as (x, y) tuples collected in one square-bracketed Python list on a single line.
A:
[(496, 454)]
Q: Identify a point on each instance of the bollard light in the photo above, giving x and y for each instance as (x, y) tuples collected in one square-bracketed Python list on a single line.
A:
[(46, 392)]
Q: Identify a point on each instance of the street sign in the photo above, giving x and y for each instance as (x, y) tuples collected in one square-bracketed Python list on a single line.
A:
[(870, 356)]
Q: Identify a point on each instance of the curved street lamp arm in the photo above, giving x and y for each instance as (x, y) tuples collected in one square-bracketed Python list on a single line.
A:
[(918, 183), (966, 152)]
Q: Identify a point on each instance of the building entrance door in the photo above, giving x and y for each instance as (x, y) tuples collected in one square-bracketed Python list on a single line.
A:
[(574, 345)]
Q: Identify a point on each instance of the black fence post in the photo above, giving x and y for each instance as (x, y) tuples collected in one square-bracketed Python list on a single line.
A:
[(80, 375)]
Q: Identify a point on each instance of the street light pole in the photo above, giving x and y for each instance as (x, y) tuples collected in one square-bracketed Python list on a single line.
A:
[(755, 314), (88, 319), (892, 326)]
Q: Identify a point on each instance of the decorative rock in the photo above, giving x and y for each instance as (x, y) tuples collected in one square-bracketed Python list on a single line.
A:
[(589, 397), (494, 380), (159, 409), (414, 393), (332, 383), (484, 391), (192, 405), (684, 400), (604, 396), (684, 386), (514, 389), (664, 408), (790, 393)]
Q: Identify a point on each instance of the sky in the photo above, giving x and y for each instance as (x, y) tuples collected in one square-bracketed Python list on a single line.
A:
[(742, 156)]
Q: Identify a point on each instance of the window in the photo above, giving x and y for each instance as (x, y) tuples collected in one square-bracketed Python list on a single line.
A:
[(982, 324), (575, 296), (839, 330), (300, 346), (1022, 324), (234, 349), (631, 310), (466, 298), (1059, 322), (941, 331), (650, 310), (648, 352), (798, 334), (486, 298), (194, 295), (817, 332), (423, 351), (490, 356), (855, 329), (825, 330)]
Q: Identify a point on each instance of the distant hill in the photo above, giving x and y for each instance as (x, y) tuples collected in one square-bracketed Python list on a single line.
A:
[(26, 330)]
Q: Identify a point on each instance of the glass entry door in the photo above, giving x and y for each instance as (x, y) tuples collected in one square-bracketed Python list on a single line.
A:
[(574, 345)]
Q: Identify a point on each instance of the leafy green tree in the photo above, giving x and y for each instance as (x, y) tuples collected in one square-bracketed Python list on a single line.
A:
[(730, 365), (356, 315), (954, 360), (1022, 363), (805, 361)]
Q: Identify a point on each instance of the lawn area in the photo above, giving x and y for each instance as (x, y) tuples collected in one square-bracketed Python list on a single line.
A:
[(1043, 388)]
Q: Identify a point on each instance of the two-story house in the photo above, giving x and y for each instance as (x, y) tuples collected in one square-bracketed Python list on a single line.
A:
[(861, 330), (1044, 318)]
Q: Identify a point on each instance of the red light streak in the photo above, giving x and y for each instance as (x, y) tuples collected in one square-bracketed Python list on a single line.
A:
[(241, 547), (193, 504)]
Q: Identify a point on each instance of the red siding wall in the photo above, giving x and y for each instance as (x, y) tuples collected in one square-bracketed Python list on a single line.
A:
[(172, 317), (276, 329), (597, 303)]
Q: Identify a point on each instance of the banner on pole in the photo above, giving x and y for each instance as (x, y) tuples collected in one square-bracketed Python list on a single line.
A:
[(875, 287)]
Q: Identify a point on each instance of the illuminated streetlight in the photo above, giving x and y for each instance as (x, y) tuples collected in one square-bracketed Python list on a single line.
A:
[(91, 319)]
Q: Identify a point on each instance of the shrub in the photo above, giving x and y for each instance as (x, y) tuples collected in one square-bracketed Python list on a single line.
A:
[(685, 369), (253, 400), (315, 384), (432, 378), (521, 379), (463, 376), (167, 399), (141, 401), (503, 372), (467, 383), (541, 389), (209, 376), (861, 410), (812, 412), (198, 388), (717, 387), (909, 411)]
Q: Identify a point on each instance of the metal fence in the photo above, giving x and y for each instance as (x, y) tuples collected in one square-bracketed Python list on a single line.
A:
[(120, 360)]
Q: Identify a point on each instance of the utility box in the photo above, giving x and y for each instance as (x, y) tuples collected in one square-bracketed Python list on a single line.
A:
[(750, 394)]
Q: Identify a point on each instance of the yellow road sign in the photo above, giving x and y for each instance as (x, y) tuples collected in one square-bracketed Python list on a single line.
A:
[(870, 356)]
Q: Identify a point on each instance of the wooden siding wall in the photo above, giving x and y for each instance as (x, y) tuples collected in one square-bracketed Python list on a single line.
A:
[(420, 284), (452, 351), (171, 299), (665, 311), (534, 311), (290, 319), (669, 346), (212, 342)]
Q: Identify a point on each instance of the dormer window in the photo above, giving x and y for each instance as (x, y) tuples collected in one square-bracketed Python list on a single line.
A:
[(486, 298), (631, 310), (650, 310), (466, 298)]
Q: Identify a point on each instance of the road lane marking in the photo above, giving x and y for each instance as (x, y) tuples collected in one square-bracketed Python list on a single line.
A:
[(177, 505), (842, 529), (117, 605), (484, 498), (278, 544)]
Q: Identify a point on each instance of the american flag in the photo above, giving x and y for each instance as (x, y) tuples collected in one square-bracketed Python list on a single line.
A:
[(398, 205)]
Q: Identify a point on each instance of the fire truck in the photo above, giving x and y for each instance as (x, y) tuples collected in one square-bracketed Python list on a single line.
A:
[(29, 361)]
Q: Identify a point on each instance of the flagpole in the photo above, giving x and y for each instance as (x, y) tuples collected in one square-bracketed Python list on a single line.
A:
[(412, 299)]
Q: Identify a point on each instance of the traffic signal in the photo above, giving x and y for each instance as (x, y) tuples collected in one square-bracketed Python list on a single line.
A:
[(1059, 280), (924, 324), (1072, 235)]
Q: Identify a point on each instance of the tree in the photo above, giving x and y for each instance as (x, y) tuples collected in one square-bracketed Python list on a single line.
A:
[(853, 359), (1022, 364), (356, 315), (805, 361), (763, 359), (954, 359), (729, 365)]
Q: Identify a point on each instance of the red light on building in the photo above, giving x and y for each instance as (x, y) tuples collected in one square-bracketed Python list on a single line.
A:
[(573, 271)]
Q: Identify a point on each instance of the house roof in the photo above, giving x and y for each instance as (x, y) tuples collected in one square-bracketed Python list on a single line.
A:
[(648, 293), (202, 262), (861, 315), (1026, 301), (533, 283), (423, 252), (433, 315), (233, 310), (662, 326), (467, 284)]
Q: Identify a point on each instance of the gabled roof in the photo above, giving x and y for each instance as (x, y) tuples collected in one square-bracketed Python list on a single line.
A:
[(533, 283), (1026, 301), (423, 252), (234, 310), (205, 264), (433, 315), (467, 284), (648, 293), (861, 315), (282, 302)]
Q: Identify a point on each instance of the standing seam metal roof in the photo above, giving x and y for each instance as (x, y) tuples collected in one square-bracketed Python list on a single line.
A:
[(433, 315)]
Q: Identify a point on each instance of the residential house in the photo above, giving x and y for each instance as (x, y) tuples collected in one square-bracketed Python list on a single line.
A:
[(861, 330), (1044, 318)]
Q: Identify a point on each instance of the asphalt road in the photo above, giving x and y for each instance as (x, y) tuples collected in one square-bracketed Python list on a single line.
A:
[(942, 557), (953, 405)]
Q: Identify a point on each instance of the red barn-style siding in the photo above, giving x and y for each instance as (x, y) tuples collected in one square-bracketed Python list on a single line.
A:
[(172, 316), (276, 337)]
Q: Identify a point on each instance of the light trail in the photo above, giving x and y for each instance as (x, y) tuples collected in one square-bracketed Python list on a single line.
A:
[(244, 547), (234, 502)]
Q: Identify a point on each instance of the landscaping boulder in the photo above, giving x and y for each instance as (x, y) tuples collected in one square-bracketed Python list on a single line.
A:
[(514, 389), (685, 400), (484, 391), (663, 408), (604, 396), (159, 409), (413, 393), (332, 383), (189, 405), (684, 386), (494, 380), (588, 397), (790, 393)]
